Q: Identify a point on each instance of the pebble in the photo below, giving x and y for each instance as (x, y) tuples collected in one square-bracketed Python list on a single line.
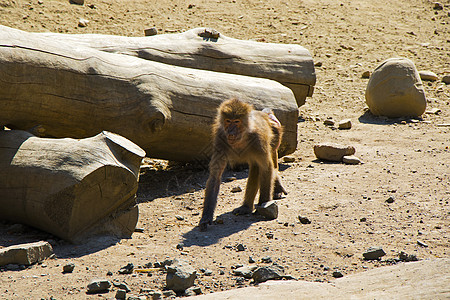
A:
[(266, 259), (150, 31), (329, 122), (365, 74), (68, 268), (390, 200), (121, 294), (351, 160), (236, 189), (98, 286), (438, 6), (128, 269), (304, 220), (83, 23), (251, 260), (428, 76), (407, 257), (420, 243), (289, 159), (245, 271), (345, 124), (263, 274), (433, 111), (229, 179), (446, 79), (193, 291), (332, 152), (79, 2), (268, 209), (122, 286), (240, 247), (337, 274), (180, 275), (179, 218), (374, 253)]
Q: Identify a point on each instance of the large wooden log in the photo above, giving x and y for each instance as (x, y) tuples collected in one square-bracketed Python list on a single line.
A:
[(64, 90), (206, 49), (70, 188)]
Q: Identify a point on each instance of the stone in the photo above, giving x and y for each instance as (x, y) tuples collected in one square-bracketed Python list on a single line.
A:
[(446, 79), (272, 272), (390, 200), (328, 122), (407, 257), (180, 275), (422, 244), (433, 111), (351, 160), (337, 274), (345, 124), (304, 220), (150, 31), (68, 268), (332, 152), (79, 2), (438, 6), (83, 23), (428, 76), (179, 217), (268, 209), (25, 254), (374, 253), (245, 271), (231, 178), (122, 286), (193, 291), (236, 189), (396, 90), (98, 286), (128, 269), (241, 247), (288, 159), (169, 294), (365, 74), (121, 294)]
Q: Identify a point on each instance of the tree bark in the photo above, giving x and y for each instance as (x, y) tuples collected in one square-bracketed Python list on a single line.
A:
[(66, 90), (70, 188), (206, 49)]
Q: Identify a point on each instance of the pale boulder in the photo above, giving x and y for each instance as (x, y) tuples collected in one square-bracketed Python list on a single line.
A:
[(396, 90)]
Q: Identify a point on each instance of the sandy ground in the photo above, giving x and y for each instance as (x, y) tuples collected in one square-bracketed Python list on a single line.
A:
[(406, 159)]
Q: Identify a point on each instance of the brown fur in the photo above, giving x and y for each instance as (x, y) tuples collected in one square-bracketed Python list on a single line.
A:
[(244, 135)]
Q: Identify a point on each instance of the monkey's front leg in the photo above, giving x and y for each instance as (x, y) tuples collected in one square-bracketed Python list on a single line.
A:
[(250, 191), (212, 190)]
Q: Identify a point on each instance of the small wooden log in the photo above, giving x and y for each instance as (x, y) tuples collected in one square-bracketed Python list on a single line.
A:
[(70, 188), (65, 90), (207, 49)]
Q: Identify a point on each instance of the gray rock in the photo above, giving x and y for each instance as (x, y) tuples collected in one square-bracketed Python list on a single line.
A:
[(245, 271), (345, 124), (121, 294), (337, 274), (374, 253), (236, 189), (304, 220), (396, 90), (390, 200), (193, 291), (68, 268), (407, 257), (266, 259), (365, 74), (79, 2), (180, 276), (288, 159), (128, 269), (150, 31), (268, 273), (446, 79), (329, 122), (420, 243), (433, 111), (332, 152), (438, 6), (169, 294), (98, 286), (428, 76), (240, 247), (83, 23), (25, 254), (351, 160), (122, 286), (268, 209)]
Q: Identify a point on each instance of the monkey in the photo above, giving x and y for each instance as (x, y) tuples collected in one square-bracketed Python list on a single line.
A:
[(242, 134)]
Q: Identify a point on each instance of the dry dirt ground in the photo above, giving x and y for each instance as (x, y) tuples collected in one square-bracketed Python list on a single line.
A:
[(406, 159)]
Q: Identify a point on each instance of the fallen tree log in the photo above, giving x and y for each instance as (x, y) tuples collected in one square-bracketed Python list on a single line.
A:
[(206, 49), (62, 90), (70, 188)]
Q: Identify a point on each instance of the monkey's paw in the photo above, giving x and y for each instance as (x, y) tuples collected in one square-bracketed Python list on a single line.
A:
[(242, 210), (203, 225)]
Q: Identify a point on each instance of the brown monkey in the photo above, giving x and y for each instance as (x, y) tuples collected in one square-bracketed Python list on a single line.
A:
[(244, 135)]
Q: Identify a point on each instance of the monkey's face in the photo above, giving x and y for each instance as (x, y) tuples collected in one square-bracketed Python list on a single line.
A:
[(233, 130)]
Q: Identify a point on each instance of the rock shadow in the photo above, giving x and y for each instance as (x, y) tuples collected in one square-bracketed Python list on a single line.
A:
[(368, 118)]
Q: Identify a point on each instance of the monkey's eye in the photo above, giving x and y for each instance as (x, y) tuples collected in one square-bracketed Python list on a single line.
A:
[(227, 121), (237, 122)]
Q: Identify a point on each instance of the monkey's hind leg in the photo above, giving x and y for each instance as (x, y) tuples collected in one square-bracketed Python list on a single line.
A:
[(250, 191)]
